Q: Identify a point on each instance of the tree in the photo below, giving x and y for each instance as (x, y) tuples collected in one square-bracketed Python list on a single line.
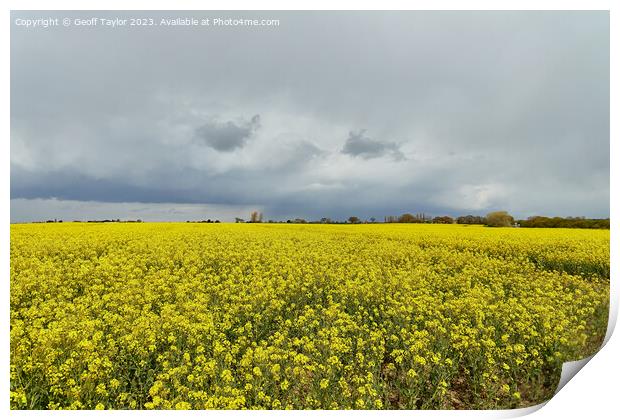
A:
[(373, 220), (407, 218), (471, 220), (446, 220), (239, 220), (354, 219), (256, 217), (499, 219), (568, 222)]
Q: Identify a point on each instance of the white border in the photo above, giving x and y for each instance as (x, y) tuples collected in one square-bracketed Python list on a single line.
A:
[(594, 391)]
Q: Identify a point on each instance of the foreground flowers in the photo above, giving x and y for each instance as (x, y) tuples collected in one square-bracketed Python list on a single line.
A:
[(180, 316)]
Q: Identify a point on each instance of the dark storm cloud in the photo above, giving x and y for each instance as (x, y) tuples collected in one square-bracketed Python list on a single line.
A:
[(358, 144), (227, 136), (492, 110)]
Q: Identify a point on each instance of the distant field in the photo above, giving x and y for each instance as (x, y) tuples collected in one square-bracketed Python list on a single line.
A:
[(176, 315)]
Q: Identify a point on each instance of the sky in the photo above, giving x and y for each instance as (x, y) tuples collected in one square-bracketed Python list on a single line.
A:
[(328, 114)]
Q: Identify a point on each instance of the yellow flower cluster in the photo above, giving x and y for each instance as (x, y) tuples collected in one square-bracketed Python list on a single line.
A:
[(225, 316)]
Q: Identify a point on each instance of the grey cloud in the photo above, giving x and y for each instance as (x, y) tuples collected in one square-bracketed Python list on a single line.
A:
[(358, 144), (229, 135), (496, 110), (300, 152)]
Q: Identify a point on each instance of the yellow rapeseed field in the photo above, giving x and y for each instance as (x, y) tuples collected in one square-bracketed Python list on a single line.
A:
[(225, 316)]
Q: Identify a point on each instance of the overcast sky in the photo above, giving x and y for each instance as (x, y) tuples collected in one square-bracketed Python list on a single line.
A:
[(329, 114)]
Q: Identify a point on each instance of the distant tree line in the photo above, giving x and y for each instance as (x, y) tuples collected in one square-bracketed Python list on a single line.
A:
[(408, 218), (94, 221), (115, 221), (471, 220), (493, 219), (564, 222)]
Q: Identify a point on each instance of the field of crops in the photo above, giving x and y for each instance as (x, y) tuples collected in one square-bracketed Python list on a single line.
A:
[(229, 316)]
